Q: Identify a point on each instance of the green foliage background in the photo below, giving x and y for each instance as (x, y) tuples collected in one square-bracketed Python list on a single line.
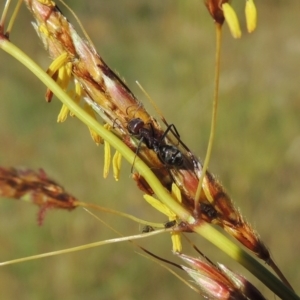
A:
[(168, 46)]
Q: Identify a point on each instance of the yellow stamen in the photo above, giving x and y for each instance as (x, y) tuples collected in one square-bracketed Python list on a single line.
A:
[(232, 20), (57, 64), (159, 206), (116, 162), (63, 114), (175, 236), (176, 242), (95, 136), (107, 156), (64, 76), (251, 15), (176, 193), (43, 31), (207, 191), (47, 3), (77, 97), (55, 68), (78, 92)]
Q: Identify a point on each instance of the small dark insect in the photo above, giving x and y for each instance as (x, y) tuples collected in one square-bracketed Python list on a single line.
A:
[(147, 229), (168, 154), (208, 210), (170, 224)]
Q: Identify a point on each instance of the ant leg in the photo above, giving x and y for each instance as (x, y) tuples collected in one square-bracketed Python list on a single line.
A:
[(136, 153), (172, 129), (176, 134), (115, 124)]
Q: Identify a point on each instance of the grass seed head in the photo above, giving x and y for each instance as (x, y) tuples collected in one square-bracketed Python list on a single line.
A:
[(213, 283)]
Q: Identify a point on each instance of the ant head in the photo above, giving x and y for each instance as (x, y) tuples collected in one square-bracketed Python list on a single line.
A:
[(135, 125)]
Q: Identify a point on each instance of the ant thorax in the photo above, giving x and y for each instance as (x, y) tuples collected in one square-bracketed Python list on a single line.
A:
[(168, 154)]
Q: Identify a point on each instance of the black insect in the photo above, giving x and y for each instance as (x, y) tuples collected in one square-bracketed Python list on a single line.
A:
[(147, 229), (208, 210), (170, 224), (168, 154)]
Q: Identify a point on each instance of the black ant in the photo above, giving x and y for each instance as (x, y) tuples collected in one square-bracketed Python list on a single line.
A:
[(168, 154)]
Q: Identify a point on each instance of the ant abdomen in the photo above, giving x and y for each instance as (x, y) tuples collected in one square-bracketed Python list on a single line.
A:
[(170, 155)]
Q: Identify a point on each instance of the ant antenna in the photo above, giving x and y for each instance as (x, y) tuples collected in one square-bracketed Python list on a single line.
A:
[(128, 112), (153, 104), (171, 127)]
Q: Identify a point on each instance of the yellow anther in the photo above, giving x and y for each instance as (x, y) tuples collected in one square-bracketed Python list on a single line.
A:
[(76, 96), (176, 193), (57, 64), (107, 155), (64, 76), (176, 241), (206, 191), (251, 15), (95, 136), (78, 92), (47, 3), (43, 30), (107, 158), (175, 236), (63, 114), (159, 206), (116, 162), (232, 20)]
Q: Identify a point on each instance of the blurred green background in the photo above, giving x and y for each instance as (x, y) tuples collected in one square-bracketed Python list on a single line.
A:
[(168, 46)]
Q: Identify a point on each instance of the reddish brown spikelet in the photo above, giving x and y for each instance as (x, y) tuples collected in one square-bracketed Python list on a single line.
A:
[(214, 8), (99, 82), (240, 282), (231, 219), (213, 283), (104, 89), (36, 187), (142, 184)]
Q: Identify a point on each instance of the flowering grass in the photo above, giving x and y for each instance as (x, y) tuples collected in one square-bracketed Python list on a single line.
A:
[(237, 182)]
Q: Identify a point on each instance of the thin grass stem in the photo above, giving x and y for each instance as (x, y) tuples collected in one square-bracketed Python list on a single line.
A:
[(4, 14), (121, 214), (84, 247), (13, 17), (214, 113)]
